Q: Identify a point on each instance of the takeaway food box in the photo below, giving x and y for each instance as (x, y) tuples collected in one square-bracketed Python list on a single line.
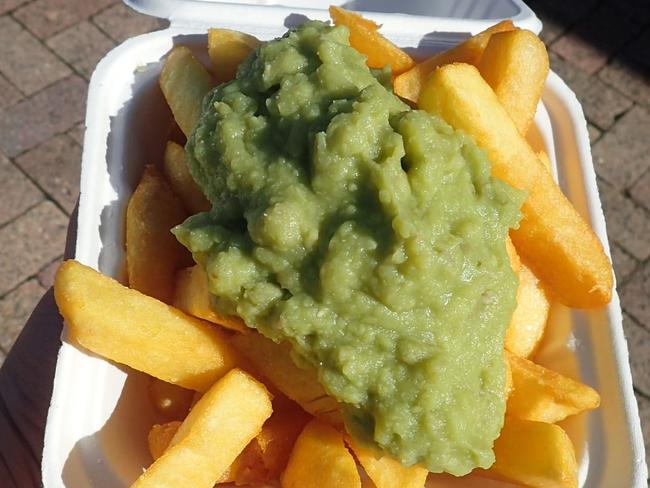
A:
[(100, 415)]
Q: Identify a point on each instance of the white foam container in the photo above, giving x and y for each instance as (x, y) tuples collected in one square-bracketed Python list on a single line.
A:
[(99, 415)]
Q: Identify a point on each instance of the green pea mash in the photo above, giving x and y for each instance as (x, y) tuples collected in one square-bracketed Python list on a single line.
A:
[(368, 235)]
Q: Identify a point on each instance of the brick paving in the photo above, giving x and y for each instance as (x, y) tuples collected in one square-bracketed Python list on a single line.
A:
[(47, 52)]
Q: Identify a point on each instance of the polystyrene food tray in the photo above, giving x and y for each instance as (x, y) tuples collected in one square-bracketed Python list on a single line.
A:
[(100, 415)]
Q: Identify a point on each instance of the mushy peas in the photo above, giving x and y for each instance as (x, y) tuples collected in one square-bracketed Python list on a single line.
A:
[(368, 235)]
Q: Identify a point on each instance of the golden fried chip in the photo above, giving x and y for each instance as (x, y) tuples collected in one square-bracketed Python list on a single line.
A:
[(130, 328), (546, 396), (184, 82), (515, 64), (218, 428), (181, 181), (408, 85), (152, 252), (227, 49), (320, 458), (552, 238)]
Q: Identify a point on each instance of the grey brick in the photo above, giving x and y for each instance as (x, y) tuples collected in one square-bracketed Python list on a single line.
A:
[(46, 275), (638, 343), (624, 264), (635, 293), (120, 22), (630, 79), (9, 94)]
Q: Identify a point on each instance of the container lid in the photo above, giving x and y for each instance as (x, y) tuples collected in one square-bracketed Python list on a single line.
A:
[(418, 16)]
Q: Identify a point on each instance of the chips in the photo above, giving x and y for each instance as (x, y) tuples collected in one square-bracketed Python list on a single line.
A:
[(553, 238), (234, 433)]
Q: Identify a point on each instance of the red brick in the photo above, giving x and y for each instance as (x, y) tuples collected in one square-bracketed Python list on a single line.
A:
[(628, 78), (638, 344), (7, 5), (29, 243), (8, 93), (81, 46), (46, 275), (34, 120), (47, 17), (595, 38), (601, 104), (18, 193), (55, 165), (635, 293), (624, 264), (120, 22), (622, 155), (77, 133), (644, 414), (640, 191), (627, 224), (25, 61), (15, 309)]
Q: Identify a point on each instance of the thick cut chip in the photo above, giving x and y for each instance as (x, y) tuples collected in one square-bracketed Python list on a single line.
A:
[(181, 181), (192, 297), (320, 459), (160, 436), (227, 49), (515, 262), (408, 85), (273, 361), (171, 401), (152, 252), (184, 82), (130, 328), (534, 454), (218, 428), (546, 396), (529, 318), (515, 64), (365, 38), (552, 238), (543, 157), (385, 471)]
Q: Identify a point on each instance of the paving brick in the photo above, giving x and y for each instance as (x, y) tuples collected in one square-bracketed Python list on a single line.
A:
[(7, 5), (8, 93), (601, 104), (77, 133), (595, 38), (46, 276), (622, 155), (640, 191), (34, 120), (25, 61), (628, 78), (55, 166), (552, 28), (644, 414), (637, 10), (627, 223), (15, 309), (29, 243), (637, 51), (3, 356), (18, 193), (624, 264), (81, 46), (635, 293), (120, 22), (594, 133), (638, 343), (47, 17)]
